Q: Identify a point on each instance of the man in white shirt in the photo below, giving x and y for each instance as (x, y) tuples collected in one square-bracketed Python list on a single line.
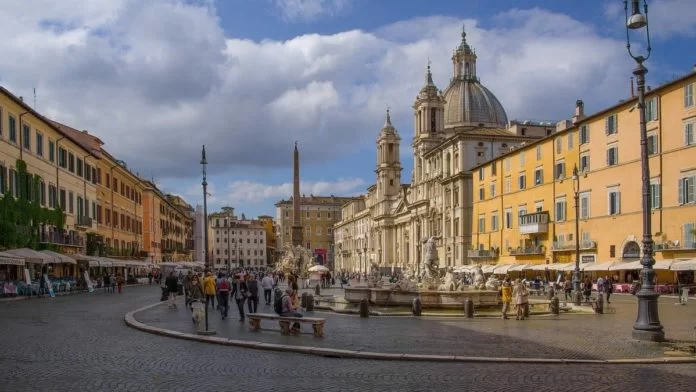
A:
[(267, 285)]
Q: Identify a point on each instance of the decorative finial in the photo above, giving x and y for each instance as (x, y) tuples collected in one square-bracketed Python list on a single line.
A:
[(295, 144), (429, 76), (463, 33), (387, 123)]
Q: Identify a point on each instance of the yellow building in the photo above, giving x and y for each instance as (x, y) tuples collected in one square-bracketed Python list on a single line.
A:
[(524, 200), (269, 227), (167, 226), (62, 176)]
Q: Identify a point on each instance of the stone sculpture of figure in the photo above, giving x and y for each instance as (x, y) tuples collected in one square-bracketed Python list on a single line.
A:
[(430, 258), (450, 283), (479, 280), (492, 283)]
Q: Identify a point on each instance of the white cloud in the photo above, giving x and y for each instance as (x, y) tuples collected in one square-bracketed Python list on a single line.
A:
[(249, 192), (155, 80), (305, 10)]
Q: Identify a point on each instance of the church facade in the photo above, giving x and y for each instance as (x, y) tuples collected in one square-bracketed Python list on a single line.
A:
[(454, 131)]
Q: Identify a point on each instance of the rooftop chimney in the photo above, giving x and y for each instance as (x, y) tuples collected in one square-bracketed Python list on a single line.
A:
[(579, 111), (21, 98)]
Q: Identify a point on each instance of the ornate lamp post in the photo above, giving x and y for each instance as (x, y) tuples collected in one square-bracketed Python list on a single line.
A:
[(204, 163), (577, 292), (647, 326)]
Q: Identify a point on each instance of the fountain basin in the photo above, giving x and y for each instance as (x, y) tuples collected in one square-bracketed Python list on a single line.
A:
[(429, 299)]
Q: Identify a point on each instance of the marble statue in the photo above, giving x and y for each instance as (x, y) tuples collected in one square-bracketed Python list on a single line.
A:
[(479, 280), (407, 281), (492, 283), (295, 260), (429, 269), (450, 283)]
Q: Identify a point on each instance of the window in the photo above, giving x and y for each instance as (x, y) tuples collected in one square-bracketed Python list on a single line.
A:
[(39, 144), (12, 125), (3, 179), (570, 141), (481, 174), (612, 156), (652, 145), (611, 125), (52, 196), (690, 236), (61, 199), (71, 162), (494, 169), (521, 158), (88, 172), (689, 133), (655, 195), (614, 202), (507, 184), (62, 158), (482, 194), (689, 95), (522, 181), (585, 206), (559, 171), (42, 192), (482, 223), (508, 218), (538, 153), (559, 145), (686, 189), (584, 134), (455, 196), (560, 210), (538, 176), (51, 150), (26, 137), (507, 164), (14, 183), (80, 167), (651, 109), (494, 222), (584, 163), (493, 190)]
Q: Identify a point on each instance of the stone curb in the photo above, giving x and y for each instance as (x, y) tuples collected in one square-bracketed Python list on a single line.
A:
[(62, 294), (130, 321)]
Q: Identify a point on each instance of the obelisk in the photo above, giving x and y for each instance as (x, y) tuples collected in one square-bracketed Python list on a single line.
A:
[(296, 212)]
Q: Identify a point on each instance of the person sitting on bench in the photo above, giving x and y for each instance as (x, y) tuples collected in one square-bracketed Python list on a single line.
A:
[(288, 309)]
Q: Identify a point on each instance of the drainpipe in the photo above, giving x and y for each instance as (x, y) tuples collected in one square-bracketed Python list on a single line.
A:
[(57, 162)]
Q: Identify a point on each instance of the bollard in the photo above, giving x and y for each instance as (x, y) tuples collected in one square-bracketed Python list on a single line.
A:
[(310, 303), (317, 290), (469, 308), (303, 300), (555, 305), (416, 308), (364, 308), (551, 293), (599, 304)]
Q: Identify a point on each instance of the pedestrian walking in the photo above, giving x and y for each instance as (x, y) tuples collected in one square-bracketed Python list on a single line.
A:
[(120, 281), (253, 287), (521, 295), (240, 294), (267, 286), (608, 287), (171, 283), (506, 296), (223, 289), (209, 290), (568, 288)]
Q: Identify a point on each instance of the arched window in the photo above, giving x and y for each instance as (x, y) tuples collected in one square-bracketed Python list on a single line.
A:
[(631, 250)]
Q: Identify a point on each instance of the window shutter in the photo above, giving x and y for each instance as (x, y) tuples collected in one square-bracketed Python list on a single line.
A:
[(690, 189), (681, 191), (608, 157), (616, 123), (606, 125), (618, 202)]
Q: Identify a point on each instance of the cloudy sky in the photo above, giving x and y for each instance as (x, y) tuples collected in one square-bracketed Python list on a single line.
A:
[(157, 79)]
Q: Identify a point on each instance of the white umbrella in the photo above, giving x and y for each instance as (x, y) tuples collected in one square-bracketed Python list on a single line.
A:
[(63, 258), (318, 268)]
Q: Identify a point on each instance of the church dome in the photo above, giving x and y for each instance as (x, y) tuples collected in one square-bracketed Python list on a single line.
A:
[(468, 102)]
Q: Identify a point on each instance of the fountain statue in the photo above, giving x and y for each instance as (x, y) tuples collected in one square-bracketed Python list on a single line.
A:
[(295, 260), (492, 283), (479, 280), (450, 283), (407, 281), (373, 278), (430, 275)]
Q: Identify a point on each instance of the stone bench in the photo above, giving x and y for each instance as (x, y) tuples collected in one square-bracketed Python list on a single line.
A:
[(285, 322)]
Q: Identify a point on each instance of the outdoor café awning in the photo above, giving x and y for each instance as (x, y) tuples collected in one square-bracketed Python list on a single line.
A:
[(663, 264), (684, 265), (487, 269), (600, 266), (10, 259), (518, 268), (64, 259), (32, 256), (502, 268), (627, 266)]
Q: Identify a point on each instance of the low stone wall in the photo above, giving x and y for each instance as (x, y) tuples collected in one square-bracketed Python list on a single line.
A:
[(429, 299)]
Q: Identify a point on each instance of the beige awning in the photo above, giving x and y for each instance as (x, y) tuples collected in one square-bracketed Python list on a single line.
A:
[(10, 259), (32, 256), (64, 259), (627, 266), (487, 269), (518, 267), (600, 266), (663, 264), (684, 265), (502, 268)]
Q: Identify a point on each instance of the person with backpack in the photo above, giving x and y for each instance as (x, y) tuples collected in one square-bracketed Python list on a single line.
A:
[(288, 309), (253, 287), (240, 292), (223, 289)]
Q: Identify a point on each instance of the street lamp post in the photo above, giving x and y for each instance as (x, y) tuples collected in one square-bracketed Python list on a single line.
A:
[(647, 326), (204, 163), (577, 294)]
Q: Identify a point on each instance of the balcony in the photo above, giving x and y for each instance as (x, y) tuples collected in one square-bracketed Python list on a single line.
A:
[(480, 254), (535, 250), (535, 223), (63, 239), (83, 222), (570, 246), (675, 246)]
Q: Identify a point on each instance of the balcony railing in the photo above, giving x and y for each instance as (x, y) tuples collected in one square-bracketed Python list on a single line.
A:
[(537, 222), (674, 246), (482, 253), (83, 221), (566, 246), (58, 238), (535, 250)]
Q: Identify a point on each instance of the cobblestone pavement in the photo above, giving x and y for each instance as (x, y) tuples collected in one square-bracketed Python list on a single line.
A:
[(80, 343), (578, 336)]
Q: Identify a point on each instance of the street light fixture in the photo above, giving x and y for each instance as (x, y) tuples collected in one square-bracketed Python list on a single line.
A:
[(204, 163), (577, 294), (647, 326)]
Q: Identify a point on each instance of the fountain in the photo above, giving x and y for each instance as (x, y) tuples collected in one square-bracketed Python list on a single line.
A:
[(295, 260), (435, 290)]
